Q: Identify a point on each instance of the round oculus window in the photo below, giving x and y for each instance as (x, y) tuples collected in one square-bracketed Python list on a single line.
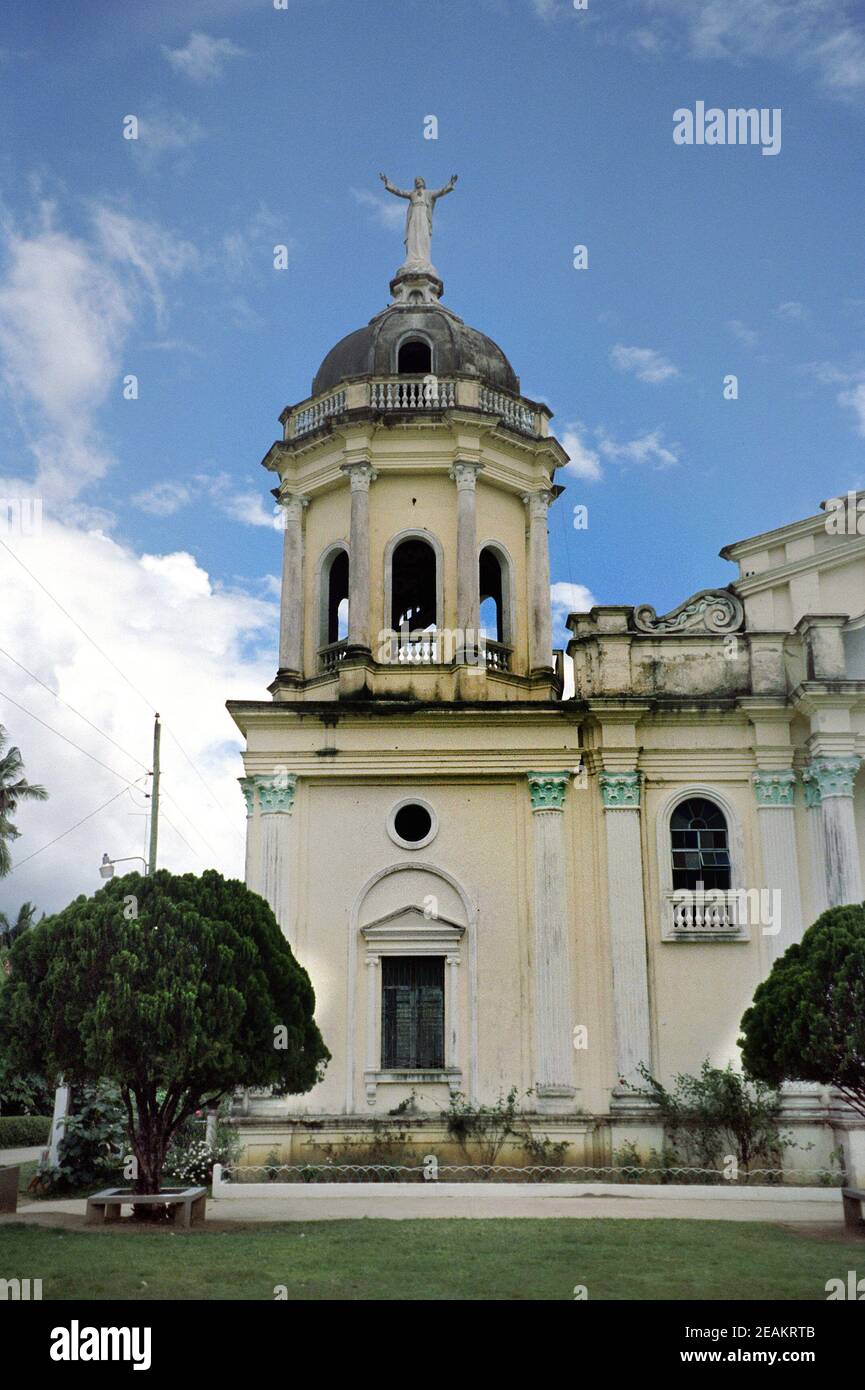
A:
[(412, 824)]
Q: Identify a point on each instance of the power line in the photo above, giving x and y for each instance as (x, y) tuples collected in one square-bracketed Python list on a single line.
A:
[(183, 838), (116, 797), (82, 630), (70, 741), (112, 770), (125, 678), (96, 727)]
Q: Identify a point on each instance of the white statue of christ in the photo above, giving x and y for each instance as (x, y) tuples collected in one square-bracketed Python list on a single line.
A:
[(418, 222)]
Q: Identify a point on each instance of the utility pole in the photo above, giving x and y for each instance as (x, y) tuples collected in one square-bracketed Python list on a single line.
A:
[(154, 798)]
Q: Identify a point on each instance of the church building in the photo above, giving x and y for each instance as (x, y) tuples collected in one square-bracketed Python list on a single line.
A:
[(493, 884)]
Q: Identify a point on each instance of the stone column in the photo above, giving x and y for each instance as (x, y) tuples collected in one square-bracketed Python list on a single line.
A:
[(554, 1062), (540, 620), (360, 476), (452, 1053), (814, 820), (831, 779), (774, 790), (276, 801), (62, 1102), (465, 476), (291, 607), (373, 1054), (621, 796), (247, 786)]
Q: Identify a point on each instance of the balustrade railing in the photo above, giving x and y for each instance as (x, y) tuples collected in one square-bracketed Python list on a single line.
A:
[(706, 913), (514, 413), (311, 416), (330, 656), (407, 393)]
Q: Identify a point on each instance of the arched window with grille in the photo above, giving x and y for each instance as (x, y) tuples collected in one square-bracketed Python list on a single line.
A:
[(700, 844)]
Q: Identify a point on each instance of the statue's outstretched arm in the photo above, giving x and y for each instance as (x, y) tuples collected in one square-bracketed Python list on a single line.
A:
[(448, 187), (399, 192)]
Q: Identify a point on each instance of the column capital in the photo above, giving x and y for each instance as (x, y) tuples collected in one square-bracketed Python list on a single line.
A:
[(547, 790), (276, 792), (825, 777), (774, 787), (621, 790), (538, 502), (360, 475), (247, 786), (292, 504), (465, 474)]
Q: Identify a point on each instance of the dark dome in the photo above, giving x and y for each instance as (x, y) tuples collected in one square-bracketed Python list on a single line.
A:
[(372, 351)]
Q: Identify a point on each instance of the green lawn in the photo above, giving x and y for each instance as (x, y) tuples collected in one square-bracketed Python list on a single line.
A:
[(442, 1259)]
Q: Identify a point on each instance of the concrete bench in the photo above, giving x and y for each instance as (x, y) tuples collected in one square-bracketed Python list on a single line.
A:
[(106, 1206), (853, 1197)]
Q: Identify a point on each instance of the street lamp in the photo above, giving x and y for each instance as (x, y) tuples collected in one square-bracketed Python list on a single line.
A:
[(106, 868)]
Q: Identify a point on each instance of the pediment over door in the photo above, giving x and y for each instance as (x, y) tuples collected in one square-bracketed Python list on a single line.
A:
[(411, 929)]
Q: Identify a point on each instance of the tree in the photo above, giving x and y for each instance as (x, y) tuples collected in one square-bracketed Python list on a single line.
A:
[(10, 931), (14, 787), (174, 988), (807, 1021)]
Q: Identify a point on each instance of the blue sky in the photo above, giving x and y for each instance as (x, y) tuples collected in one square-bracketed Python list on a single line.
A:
[(261, 127)]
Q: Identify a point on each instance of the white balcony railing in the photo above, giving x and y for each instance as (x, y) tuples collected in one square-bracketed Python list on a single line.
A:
[(311, 416), (509, 408), (330, 656), (497, 655), (711, 913), (412, 393)]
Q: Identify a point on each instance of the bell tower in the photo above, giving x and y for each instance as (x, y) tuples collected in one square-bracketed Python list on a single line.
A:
[(406, 784), (414, 483)]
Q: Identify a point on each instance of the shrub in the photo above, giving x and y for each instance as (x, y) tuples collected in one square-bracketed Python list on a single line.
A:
[(94, 1144), (24, 1131), (24, 1093), (807, 1021), (720, 1113)]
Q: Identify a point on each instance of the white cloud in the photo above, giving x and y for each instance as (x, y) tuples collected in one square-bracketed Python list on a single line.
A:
[(570, 598), (154, 253), (749, 337), (816, 36), (203, 57), (646, 364), (646, 449), (164, 133), (244, 505), (854, 398), (792, 310), (66, 308), (389, 212), (584, 461), (187, 644), (162, 499)]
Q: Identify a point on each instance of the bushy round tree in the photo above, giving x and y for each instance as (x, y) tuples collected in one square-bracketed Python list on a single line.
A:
[(807, 1021), (174, 988)]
